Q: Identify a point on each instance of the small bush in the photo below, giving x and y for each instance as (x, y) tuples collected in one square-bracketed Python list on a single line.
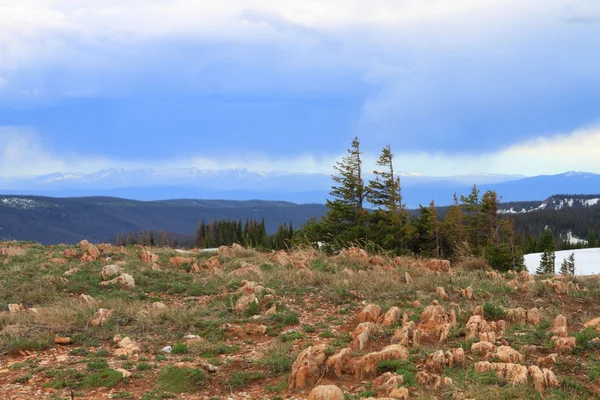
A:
[(180, 380), (180, 348), (493, 312), (106, 378), (239, 379), (279, 358)]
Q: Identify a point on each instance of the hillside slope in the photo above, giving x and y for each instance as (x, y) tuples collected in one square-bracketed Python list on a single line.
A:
[(67, 220)]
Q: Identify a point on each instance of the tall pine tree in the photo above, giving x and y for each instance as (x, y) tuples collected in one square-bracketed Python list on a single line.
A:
[(345, 217)]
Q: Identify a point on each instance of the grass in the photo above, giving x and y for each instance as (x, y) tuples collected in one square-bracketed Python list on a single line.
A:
[(405, 368), (240, 378), (278, 358), (181, 380)]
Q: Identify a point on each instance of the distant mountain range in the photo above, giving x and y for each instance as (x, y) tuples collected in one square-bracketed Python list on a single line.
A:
[(68, 220), (52, 220), (241, 184)]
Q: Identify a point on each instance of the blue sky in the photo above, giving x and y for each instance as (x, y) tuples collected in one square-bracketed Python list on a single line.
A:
[(455, 86)]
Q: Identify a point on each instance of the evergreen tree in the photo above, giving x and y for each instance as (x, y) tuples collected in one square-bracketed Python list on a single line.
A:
[(151, 241), (470, 206), (388, 222), (453, 230), (344, 219), (564, 267), (425, 241), (547, 262), (592, 238), (571, 264)]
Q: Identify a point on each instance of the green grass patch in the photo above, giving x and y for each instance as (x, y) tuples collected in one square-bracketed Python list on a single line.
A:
[(181, 380)]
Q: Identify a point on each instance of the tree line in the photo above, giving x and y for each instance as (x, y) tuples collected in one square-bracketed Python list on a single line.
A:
[(251, 233), (373, 213)]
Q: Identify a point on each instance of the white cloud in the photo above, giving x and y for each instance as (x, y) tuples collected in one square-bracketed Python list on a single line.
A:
[(23, 152)]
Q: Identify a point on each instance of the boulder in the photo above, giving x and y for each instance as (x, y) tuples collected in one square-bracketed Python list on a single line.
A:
[(327, 392), (533, 316), (512, 373), (63, 340), (483, 347), (109, 271), (124, 280), (432, 381), (391, 317), (467, 293), (87, 299), (436, 362), (542, 379), (149, 257), (244, 302), (441, 293), (408, 335), (366, 367), (560, 326), (438, 265), (126, 346), (101, 317), (308, 367), (435, 320), (507, 354), (362, 334), (340, 363), (593, 323), (126, 374), (179, 261), (516, 315), (370, 313), (564, 345), (547, 361), (388, 385)]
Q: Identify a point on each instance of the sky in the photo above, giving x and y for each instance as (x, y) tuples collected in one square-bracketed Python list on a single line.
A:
[(454, 86)]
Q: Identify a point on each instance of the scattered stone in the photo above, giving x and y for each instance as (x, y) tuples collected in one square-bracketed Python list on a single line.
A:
[(433, 381), (339, 363), (101, 317), (124, 280), (126, 374), (308, 367), (564, 344), (441, 293), (244, 302), (63, 340), (391, 317), (371, 313), (87, 299), (366, 367), (467, 293), (126, 346), (179, 261), (109, 271), (542, 379), (59, 261), (166, 349), (483, 347), (508, 355), (328, 392), (548, 361), (362, 334), (70, 272), (148, 257), (388, 385), (408, 335), (513, 373), (438, 266)]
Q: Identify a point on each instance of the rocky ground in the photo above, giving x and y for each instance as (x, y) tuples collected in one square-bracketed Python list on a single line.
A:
[(101, 322)]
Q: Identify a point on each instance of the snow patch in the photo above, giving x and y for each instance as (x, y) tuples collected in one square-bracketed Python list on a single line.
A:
[(587, 261), (24, 204)]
